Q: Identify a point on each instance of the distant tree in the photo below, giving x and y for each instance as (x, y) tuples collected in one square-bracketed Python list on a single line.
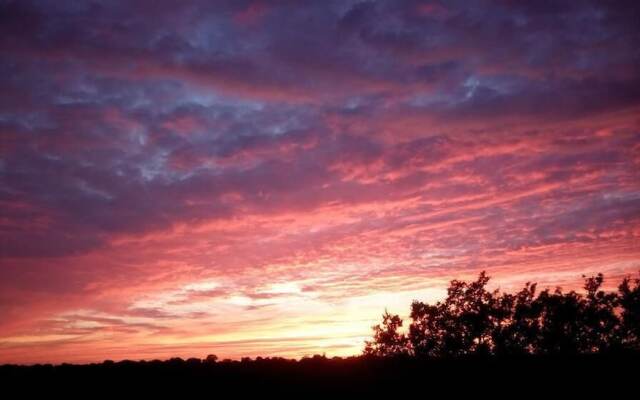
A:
[(193, 361), (387, 340), (211, 359), (176, 362)]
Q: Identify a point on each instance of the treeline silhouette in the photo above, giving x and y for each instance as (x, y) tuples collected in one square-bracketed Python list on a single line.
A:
[(473, 341), (321, 376), (473, 321)]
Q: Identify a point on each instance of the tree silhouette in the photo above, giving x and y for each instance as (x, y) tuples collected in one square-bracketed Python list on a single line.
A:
[(520, 322), (211, 359), (472, 320), (629, 299), (387, 341), (599, 328), (460, 325)]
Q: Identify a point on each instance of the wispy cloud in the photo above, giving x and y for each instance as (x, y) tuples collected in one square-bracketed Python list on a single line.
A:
[(256, 178)]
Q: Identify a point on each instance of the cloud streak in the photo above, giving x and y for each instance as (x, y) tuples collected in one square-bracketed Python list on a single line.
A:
[(259, 178)]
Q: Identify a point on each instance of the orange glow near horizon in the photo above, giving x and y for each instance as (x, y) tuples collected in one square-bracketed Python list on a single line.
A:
[(258, 179)]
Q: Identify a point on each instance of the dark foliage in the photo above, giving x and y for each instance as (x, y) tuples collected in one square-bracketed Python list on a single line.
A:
[(473, 321), (321, 377), (474, 341)]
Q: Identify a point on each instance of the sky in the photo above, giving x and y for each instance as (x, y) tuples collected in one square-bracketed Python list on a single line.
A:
[(264, 178)]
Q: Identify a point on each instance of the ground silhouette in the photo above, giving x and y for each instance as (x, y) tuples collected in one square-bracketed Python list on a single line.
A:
[(474, 341)]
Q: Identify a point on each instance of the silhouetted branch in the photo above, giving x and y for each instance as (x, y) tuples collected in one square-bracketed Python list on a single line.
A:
[(474, 321)]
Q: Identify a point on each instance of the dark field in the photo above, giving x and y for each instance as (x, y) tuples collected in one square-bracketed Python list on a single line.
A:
[(606, 374)]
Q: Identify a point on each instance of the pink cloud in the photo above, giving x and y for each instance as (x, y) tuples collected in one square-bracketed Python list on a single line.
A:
[(267, 180), (251, 14)]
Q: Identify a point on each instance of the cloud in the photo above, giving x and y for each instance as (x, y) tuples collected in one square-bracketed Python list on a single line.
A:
[(360, 152)]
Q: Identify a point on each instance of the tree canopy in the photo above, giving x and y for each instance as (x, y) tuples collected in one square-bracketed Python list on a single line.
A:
[(473, 321)]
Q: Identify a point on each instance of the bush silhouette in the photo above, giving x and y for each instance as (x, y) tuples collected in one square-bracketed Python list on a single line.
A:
[(473, 321)]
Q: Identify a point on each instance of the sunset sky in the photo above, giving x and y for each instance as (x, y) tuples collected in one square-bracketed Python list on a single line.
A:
[(244, 178)]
